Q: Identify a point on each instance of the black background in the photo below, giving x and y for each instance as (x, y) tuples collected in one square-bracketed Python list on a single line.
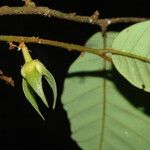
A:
[(20, 126)]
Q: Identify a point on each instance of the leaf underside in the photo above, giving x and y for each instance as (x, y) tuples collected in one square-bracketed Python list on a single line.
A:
[(135, 40), (101, 118)]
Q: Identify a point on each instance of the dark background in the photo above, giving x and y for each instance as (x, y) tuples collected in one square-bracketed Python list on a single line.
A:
[(20, 126)]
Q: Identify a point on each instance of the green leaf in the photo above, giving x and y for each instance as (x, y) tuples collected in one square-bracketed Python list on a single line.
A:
[(101, 117), (29, 93), (135, 40)]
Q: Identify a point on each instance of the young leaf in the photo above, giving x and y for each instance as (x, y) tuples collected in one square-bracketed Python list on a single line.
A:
[(135, 40), (101, 118)]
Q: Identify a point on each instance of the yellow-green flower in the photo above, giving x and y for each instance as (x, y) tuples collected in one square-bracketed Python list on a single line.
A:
[(32, 72)]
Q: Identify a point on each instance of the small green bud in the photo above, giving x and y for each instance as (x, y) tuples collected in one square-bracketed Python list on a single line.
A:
[(28, 67)]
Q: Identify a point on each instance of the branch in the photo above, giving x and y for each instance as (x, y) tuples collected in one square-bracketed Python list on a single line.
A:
[(7, 79), (31, 9), (68, 46), (71, 47), (47, 12)]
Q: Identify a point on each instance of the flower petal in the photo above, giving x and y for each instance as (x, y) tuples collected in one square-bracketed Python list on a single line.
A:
[(51, 81), (29, 93), (35, 81)]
